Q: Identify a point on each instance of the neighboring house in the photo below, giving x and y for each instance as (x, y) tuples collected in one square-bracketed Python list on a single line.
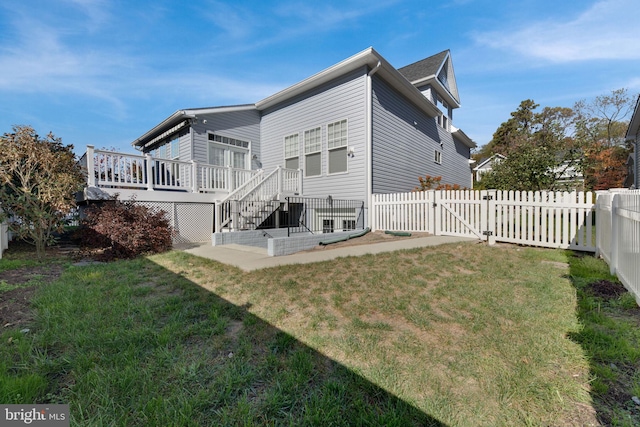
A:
[(633, 136), (568, 176), (357, 128), (486, 165)]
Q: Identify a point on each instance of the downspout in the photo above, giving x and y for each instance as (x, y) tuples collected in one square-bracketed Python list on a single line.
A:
[(369, 96)]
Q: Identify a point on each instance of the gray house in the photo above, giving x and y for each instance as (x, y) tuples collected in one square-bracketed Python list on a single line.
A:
[(633, 136), (355, 129)]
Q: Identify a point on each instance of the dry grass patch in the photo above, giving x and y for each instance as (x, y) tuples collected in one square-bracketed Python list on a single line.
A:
[(468, 334)]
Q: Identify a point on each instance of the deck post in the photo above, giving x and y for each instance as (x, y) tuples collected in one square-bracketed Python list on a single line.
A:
[(300, 182), (217, 217), (280, 172), (194, 176), (149, 172), (91, 174)]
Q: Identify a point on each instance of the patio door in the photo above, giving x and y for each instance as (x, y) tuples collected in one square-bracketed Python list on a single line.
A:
[(235, 157)]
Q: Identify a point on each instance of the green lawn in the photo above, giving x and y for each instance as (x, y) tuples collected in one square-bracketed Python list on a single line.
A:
[(456, 335)]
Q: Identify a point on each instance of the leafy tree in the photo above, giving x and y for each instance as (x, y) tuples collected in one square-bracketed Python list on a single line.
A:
[(38, 179), (538, 149), (600, 129), (605, 166)]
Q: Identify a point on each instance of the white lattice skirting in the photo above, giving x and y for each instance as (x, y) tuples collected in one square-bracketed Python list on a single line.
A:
[(193, 222)]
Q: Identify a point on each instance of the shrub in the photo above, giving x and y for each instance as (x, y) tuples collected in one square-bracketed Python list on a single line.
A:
[(435, 183), (126, 229)]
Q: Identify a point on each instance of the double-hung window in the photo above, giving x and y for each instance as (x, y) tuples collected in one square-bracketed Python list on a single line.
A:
[(337, 146), (313, 152), (437, 156), (292, 151)]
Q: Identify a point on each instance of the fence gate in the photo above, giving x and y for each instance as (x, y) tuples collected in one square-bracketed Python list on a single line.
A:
[(542, 218), (461, 213)]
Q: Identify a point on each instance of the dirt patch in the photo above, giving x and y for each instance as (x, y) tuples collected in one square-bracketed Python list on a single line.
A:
[(367, 239), (44, 273), (15, 305), (606, 289)]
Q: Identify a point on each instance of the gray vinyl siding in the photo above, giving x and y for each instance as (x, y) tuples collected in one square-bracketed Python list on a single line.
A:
[(185, 145), (404, 140), (343, 98), (244, 125)]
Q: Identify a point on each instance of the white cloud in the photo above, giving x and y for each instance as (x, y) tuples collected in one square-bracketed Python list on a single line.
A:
[(604, 31)]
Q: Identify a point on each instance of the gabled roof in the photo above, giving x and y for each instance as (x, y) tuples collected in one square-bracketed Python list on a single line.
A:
[(634, 123), (424, 68), (437, 71), (368, 57), (489, 159), (442, 79)]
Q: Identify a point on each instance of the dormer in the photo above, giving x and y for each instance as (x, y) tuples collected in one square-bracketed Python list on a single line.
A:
[(434, 77)]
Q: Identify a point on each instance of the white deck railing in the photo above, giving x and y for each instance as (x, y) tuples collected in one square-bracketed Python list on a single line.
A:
[(108, 169)]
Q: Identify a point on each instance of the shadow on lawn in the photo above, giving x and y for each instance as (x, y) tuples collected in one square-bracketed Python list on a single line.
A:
[(605, 310), (228, 366)]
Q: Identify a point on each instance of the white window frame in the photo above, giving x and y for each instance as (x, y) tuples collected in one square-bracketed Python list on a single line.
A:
[(437, 156), (229, 144), (343, 141), (444, 119), (312, 148), (288, 155)]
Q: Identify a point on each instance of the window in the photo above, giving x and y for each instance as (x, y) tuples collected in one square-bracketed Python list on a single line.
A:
[(337, 146), (228, 141), (327, 226), (174, 148), (225, 151), (312, 152), (443, 120), (291, 151), (348, 224), (437, 157)]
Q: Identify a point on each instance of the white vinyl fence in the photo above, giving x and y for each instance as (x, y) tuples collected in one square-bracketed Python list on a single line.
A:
[(541, 218), (4, 237), (618, 235)]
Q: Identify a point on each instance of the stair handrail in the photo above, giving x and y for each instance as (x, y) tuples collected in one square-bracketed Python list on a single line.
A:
[(250, 191), (247, 187)]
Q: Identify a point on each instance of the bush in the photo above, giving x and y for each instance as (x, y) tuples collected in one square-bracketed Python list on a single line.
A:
[(125, 229)]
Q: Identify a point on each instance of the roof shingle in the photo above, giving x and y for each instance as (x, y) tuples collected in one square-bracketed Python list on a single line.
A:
[(424, 68)]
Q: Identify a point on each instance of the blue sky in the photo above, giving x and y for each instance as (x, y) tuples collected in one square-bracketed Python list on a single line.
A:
[(103, 72)]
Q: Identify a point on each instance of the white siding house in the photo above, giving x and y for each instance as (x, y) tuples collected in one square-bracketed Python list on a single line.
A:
[(354, 129)]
